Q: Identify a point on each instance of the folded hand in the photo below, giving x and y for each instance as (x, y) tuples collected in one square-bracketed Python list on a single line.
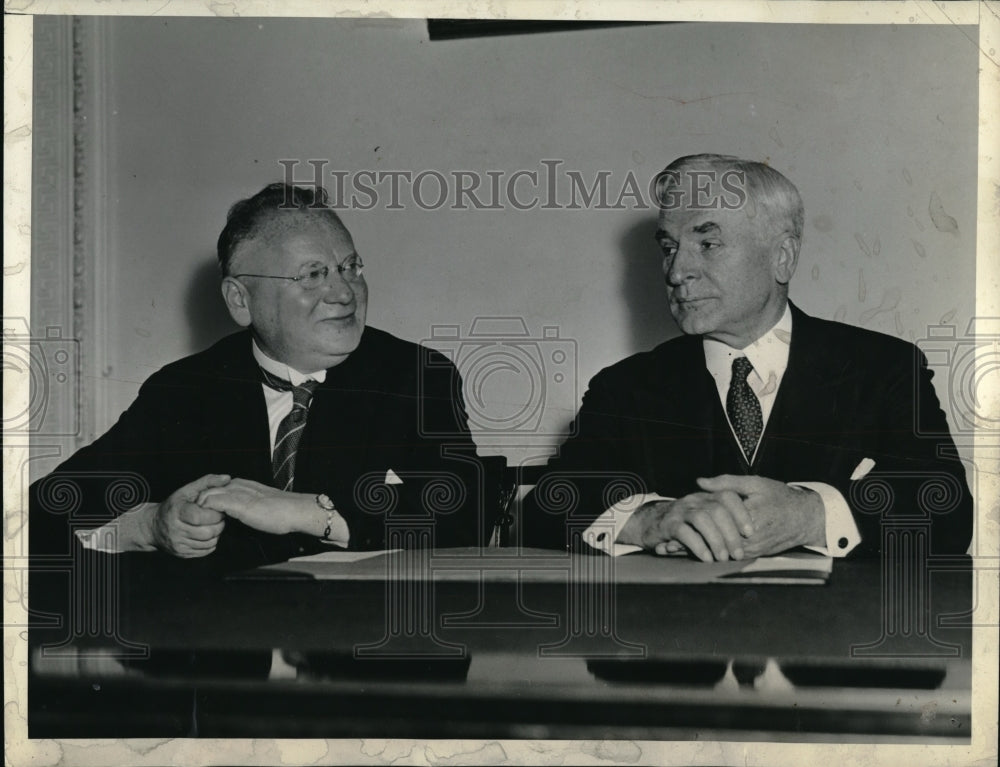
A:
[(783, 516), (258, 506), (712, 526), (183, 528)]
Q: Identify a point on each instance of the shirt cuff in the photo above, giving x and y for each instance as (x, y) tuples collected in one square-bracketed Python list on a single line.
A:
[(603, 533), (124, 533), (841, 531)]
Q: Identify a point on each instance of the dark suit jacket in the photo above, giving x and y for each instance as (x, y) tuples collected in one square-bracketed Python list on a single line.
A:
[(654, 423), (390, 405)]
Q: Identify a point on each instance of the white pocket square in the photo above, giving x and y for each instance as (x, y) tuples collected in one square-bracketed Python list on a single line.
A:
[(866, 465), (391, 478)]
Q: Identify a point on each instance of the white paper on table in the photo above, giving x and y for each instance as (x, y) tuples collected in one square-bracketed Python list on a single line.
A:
[(770, 564), (478, 565), (343, 556)]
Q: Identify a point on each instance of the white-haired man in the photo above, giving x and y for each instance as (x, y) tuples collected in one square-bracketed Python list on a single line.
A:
[(755, 431)]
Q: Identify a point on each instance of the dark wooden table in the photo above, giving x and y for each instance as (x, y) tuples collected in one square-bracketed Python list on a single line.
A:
[(525, 647)]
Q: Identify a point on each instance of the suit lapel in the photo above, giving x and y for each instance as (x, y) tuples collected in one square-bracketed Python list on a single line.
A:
[(342, 415), (807, 407), (689, 433), (243, 430)]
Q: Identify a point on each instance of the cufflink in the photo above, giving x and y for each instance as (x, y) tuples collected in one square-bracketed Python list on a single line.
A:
[(842, 543)]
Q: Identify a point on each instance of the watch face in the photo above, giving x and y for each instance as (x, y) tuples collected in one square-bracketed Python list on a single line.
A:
[(324, 501)]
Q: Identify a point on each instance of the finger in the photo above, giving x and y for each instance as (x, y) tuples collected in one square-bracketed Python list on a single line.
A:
[(182, 537), (727, 527), (193, 553), (693, 542), (743, 484), (694, 498), (205, 532), (249, 484), (228, 504), (197, 544), (212, 491), (737, 510), (192, 489), (667, 548), (192, 514), (702, 521)]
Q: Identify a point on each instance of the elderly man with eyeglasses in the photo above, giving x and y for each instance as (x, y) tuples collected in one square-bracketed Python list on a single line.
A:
[(306, 430)]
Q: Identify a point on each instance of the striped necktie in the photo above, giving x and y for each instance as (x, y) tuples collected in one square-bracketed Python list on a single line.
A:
[(743, 408), (286, 441)]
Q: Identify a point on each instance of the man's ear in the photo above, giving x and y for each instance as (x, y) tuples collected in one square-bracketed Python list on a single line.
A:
[(786, 258), (237, 299)]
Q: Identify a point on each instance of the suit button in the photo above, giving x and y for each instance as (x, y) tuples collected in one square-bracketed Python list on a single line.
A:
[(302, 549), (842, 543)]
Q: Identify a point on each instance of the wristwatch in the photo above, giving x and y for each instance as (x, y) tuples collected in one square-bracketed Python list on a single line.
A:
[(324, 502)]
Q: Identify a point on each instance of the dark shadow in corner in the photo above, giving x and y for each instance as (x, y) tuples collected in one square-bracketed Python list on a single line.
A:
[(208, 319), (642, 289)]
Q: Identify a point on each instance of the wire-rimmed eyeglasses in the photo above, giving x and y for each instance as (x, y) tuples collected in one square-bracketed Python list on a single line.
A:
[(314, 276)]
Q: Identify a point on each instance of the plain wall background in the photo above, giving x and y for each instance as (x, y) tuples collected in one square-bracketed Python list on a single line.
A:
[(869, 122)]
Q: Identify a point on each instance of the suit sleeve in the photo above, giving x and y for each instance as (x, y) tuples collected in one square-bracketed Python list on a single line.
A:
[(120, 470), (442, 486), (596, 468), (918, 485)]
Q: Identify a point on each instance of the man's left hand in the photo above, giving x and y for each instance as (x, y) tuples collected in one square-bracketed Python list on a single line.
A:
[(783, 516), (261, 507)]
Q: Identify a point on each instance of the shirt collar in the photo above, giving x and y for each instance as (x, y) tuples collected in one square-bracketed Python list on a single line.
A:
[(281, 370), (768, 354)]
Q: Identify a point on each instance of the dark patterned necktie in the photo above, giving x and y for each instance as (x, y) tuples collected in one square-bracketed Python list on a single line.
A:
[(286, 441), (743, 408)]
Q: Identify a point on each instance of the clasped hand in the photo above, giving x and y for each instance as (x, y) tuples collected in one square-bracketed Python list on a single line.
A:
[(189, 522), (258, 506), (180, 526), (731, 518)]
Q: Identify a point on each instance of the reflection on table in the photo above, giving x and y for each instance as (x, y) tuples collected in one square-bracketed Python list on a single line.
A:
[(506, 649)]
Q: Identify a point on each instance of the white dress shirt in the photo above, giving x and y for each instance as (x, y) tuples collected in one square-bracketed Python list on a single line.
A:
[(769, 357), (279, 403)]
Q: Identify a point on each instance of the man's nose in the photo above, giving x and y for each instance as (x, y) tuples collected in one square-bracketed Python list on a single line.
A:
[(681, 267), (337, 289)]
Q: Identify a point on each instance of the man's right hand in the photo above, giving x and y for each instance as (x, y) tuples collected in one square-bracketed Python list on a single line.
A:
[(711, 526), (183, 528)]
